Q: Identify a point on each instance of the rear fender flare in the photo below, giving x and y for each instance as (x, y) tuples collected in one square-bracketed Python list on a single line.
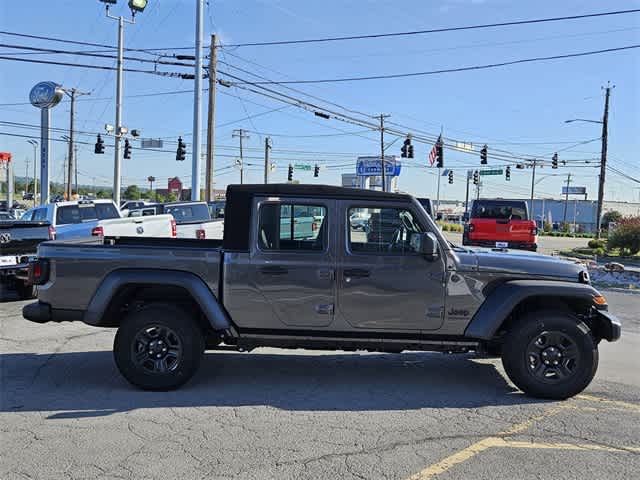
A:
[(505, 298), (193, 284)]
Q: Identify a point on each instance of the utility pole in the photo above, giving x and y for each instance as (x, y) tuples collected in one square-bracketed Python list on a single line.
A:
[(566, 200), (72, 93), (382, 162), (151, 179), (75, 166), (603, 160), (241, 134), (267, 147), (211, 122), (197, 105)]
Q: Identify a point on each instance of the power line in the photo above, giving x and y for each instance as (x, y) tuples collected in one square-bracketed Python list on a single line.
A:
[(444, 70), (433, 30), (95, 67)]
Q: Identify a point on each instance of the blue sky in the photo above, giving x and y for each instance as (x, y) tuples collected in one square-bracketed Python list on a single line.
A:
[(519, 108)]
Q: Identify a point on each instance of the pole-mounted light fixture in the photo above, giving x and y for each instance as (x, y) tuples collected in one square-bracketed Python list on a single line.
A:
[(137, 6)]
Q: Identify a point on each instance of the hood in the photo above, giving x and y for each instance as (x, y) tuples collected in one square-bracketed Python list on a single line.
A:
[(518, 262)]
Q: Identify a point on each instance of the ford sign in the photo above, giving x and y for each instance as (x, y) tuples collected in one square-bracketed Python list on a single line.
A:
[(46, 95)]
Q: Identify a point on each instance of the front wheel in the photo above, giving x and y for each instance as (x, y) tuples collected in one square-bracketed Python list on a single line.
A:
[(550, 354), (158, 347)]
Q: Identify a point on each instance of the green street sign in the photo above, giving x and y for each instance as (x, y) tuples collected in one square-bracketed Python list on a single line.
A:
[(497, 171), (302, 166)]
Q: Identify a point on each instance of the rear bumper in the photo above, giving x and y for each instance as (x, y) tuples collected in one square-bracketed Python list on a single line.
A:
[(608, 326), (40, 312), (517, 244)]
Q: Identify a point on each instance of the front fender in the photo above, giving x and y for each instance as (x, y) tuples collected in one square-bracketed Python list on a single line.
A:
[(504, 298), (203, 296)]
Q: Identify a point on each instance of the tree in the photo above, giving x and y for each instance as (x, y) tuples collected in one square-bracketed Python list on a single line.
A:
[(103, 194), (612, 216), (626, 236), (132, 192), (172, 197)]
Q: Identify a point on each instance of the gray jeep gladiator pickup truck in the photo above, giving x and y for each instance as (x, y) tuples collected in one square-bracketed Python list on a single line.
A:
[(398, 286)]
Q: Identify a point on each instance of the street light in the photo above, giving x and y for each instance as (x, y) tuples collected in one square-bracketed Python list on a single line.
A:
[(135, 6), (34, 143)]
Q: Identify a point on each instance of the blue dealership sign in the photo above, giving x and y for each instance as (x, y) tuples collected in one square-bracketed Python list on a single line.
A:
[(371, 167)]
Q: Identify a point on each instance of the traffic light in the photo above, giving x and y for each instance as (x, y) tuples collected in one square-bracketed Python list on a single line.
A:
[(440, 154), (127, 149), (450, 177), (507, 175), (290, 174), (476, 177), (99, 148), (483, 155), (405, 148), (316, 170), (410, 151), (554, 160), (181, 152)]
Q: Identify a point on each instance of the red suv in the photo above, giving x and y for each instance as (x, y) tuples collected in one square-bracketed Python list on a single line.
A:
[(501, 224)]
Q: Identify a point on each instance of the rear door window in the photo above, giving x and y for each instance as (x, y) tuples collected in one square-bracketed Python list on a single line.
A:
[(292, 227), (189, 213), (67, 215)]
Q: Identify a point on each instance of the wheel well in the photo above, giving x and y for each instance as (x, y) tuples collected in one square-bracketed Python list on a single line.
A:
[(572, 305), (133, 296)]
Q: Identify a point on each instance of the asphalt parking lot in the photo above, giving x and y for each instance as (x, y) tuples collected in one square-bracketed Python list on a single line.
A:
[(67, 414)]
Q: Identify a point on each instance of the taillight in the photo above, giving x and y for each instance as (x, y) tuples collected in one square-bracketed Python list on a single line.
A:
[(97, 231), (534, 231), (201, 234), (38, 272), (52, 232), (174, 228)]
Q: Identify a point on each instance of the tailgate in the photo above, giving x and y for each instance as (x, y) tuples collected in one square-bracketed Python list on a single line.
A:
[(22, 237), (502, 230), (149, 226)]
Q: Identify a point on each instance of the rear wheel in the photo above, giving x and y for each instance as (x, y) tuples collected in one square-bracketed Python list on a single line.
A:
[(158, 347), (550, 354)]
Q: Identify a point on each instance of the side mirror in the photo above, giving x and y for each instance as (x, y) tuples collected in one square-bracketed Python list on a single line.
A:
[(465, 217), (426, 244)]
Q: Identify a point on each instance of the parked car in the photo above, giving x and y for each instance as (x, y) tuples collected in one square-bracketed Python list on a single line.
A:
[(4, 215), (27, 196), (84, 218), (500, 224), (193, 219), (262, 287), (216, 209), (19, 242)]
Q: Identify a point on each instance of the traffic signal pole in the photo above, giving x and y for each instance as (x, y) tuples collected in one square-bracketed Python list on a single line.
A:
[(384, 175), (466, 201), (196, 159)]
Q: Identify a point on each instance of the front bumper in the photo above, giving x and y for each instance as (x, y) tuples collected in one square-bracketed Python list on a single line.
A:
[(607, 326), (40, 312)]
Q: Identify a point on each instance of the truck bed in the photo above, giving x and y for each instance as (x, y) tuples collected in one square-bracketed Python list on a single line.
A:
[(82, 265)]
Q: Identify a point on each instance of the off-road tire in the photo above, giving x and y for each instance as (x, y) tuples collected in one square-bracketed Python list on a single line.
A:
[(158, 317), (523, 337)]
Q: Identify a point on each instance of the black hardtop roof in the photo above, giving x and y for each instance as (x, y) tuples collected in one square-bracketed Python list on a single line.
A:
[(239, 198), (309, 190)]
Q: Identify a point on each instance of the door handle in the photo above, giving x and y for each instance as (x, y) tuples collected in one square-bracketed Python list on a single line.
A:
[(357, 273), (274, 270)]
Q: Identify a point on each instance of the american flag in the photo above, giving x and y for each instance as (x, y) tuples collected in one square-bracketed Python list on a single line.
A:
[(433, 154)]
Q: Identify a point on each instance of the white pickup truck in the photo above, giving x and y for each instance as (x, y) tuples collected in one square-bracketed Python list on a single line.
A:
[(193, 219), (86, 218)]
